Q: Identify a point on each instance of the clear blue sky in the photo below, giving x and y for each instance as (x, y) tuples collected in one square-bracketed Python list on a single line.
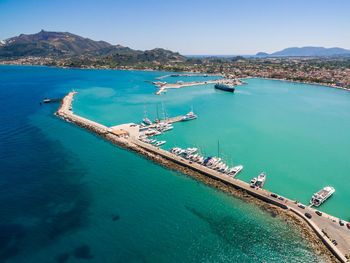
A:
[(187, 26)]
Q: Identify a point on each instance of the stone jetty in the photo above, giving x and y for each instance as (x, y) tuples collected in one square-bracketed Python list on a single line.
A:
[(327, 228)]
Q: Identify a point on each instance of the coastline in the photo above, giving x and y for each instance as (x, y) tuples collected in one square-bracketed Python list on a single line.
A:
[(182, 72), (302, 82), (312, 234)]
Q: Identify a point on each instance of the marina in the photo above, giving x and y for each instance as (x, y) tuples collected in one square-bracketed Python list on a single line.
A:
[(331, 230), (187, 75), (163, 86)]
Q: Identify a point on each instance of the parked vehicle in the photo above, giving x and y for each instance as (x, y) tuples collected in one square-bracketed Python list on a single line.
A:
[(308, 215), (318, 213), (274, 195), (301, 206)]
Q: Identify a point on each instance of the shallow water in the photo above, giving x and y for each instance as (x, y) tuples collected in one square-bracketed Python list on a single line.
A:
[(69, 196)]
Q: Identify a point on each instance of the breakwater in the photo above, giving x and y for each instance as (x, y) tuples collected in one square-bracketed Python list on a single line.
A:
[(163, 86), (326, 227)]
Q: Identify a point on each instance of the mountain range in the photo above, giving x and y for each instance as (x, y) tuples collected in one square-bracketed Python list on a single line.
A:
[(63, 45), (307, 52), (76, 51)]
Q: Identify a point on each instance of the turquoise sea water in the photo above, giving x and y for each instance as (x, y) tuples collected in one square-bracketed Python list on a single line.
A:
[(69, 196)]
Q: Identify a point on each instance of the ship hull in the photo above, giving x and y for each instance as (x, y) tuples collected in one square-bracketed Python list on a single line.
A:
[(224, 88)]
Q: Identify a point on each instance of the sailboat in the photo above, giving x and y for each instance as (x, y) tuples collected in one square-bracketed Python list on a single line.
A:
[(165, 114), (157, 120), (145, 119)]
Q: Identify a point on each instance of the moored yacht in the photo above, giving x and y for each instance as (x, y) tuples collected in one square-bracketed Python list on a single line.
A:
[(189, 116), (159, 143), (235, 170), (191, 150), (321, 196), (162, 127), (261, 180), (147, 121), (253, 182)]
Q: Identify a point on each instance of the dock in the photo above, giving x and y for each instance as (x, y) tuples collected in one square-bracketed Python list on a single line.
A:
[(189, 75), (326, 227), (163, 86)]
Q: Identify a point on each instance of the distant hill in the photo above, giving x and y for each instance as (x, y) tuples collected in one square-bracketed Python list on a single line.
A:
[(50, 44), (262, 54), (308, 52), (62, 45)]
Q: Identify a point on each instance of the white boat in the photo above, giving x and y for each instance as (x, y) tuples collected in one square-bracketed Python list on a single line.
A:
[(321, 196), (175, 150), (223, 168), (189, 116), (145, 118), (219, 166), (162, 127), (147, 121), (213, 165), (167, 127), (188, 156), (159, 143), (261, 180), (235, 170), (194, 156), (146, 140), (211, 162), (253, 182), (191, 150), (200, 160), (178, 151)]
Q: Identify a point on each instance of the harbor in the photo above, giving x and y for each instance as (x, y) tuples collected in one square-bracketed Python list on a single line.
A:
[(188, 75), (335, 236), (163, 86)]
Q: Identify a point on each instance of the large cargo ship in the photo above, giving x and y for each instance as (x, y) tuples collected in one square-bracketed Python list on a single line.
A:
[(322, 195), (225, 87)]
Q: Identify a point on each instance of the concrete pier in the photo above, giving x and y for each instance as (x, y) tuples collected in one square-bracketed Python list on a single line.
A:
[(326, 227), (189, 75), (163, 86)]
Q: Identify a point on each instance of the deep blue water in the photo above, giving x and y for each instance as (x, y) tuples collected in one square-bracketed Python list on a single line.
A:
[(69, 196)]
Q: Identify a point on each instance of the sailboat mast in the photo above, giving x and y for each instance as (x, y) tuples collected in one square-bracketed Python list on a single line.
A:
[(144, 111), (218, 149), (163, 110), (157, 112)]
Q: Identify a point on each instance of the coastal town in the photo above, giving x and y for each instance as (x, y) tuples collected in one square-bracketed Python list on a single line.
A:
[(326, 71)]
